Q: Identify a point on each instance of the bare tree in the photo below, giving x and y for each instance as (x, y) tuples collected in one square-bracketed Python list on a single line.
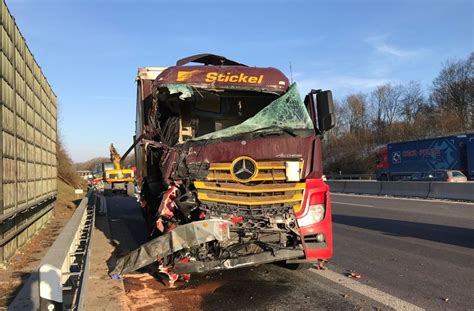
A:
[(412, 101), (392, 106), (356, 107), (342, 119), (386, 108), (453, 90), (377, 99)]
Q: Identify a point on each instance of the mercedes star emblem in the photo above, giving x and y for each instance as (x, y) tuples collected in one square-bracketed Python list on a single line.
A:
[(244, 169)]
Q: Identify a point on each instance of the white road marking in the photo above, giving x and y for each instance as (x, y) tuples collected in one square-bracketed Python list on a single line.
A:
[(355, 204), (367, 291)]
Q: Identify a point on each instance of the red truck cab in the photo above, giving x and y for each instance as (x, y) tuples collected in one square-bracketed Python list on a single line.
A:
[(229, 165)]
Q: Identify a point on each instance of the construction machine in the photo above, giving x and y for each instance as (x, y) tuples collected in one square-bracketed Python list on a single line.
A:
[(118, 178)]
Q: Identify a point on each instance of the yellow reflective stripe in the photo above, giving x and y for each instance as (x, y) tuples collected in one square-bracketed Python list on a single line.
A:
[(271, 165), (250, 200), (120, 179), (259, 177), (249, 189), (220, 166), (276, 165)]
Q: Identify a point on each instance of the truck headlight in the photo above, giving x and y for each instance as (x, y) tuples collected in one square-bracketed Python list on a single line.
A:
[(314, 215), (292, 170)]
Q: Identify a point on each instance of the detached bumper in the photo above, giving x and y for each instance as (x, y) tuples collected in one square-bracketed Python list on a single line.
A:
[(244, 261), (184, 236)]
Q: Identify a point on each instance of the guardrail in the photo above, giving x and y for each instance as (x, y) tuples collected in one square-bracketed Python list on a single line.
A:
[(433, 190), (351, 176), (60, 281)]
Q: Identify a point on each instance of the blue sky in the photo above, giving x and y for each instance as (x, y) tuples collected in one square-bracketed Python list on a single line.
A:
[(90, 50)]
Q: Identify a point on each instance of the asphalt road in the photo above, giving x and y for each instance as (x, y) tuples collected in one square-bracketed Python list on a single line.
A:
[(421, 252)]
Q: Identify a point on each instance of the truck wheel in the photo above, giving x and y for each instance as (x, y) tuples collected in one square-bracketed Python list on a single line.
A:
[(130, 189), (298, 266), (294, 266), (383, 178)]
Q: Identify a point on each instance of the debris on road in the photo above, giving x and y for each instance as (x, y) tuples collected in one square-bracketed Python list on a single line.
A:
[(353, 274), (320, 265)]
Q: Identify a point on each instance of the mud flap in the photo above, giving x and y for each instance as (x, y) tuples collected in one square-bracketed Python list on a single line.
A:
[(184, 236)]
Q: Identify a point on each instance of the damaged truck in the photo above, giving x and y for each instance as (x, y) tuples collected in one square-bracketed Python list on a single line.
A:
[(229, 168)]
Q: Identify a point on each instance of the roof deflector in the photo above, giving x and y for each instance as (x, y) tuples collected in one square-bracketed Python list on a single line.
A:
[(208, 59)]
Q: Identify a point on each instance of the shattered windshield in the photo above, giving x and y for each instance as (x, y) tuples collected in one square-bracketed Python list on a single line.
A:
[(286, 112)]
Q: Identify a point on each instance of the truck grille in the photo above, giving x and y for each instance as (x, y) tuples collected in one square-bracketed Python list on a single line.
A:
[(265, 189), (267, 171)]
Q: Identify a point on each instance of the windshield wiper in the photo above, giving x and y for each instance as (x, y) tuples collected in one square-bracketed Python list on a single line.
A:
[(275, 127)]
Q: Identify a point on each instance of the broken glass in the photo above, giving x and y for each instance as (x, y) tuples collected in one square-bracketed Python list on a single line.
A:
[(286, 112)]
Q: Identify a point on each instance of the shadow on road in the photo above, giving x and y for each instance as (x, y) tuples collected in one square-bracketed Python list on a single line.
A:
[(438, 233), (122, 225)]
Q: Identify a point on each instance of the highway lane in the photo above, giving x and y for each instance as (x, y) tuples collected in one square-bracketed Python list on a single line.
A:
[(418, 250)]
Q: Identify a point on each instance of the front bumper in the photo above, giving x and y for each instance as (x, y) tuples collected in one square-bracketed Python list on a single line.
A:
[(184, 236), (240, 262)]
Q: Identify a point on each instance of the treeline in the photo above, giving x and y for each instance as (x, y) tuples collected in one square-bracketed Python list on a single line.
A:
[(89, 165), (66, 170), (399, 112)]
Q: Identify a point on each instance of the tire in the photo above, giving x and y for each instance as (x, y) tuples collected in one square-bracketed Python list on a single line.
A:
[(383, 178), (298, 266), (295, 266), (130, 189)]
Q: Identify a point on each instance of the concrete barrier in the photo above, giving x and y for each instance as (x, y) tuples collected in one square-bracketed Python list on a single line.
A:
[(336, 185), (433, 190), (363, 187), (453, 191), (405, 188)]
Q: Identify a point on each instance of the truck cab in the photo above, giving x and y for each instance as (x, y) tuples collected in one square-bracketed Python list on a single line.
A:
[(224, 141)]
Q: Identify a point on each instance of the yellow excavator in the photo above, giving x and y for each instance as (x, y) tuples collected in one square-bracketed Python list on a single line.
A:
[(118, 178)]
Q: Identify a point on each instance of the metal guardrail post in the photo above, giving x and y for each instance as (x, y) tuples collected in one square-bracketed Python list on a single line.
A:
[(50, 288)]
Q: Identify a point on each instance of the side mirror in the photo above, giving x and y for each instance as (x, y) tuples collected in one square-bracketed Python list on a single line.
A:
[(324, 107)]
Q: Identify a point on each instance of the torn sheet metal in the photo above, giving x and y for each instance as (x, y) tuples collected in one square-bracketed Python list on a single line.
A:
[(185, 90), (240, 262), (184, 236), (288, 112)]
